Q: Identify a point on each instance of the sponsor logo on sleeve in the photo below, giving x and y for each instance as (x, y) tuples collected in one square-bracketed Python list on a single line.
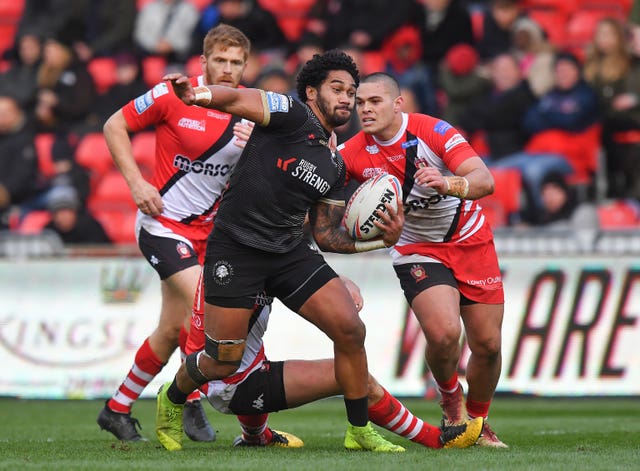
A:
[(453, 141), (277, 103), (159, 90), (143, 102), (442, 127)]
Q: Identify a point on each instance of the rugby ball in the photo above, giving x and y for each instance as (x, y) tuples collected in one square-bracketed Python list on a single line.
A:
[(369, 197)]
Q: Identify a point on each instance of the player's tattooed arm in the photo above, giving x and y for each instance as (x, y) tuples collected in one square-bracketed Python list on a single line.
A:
[(327, 230)]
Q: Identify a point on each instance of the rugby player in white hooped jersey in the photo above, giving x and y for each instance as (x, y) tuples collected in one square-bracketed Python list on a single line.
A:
[(445, 259)]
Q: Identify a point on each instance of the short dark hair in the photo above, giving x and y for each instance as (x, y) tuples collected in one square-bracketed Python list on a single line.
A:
[(389, 80), (316, 70)]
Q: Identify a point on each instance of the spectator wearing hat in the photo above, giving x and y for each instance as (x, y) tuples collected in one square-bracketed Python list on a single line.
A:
[(71, 221), (535, 54), (461, 81), (561, 208)]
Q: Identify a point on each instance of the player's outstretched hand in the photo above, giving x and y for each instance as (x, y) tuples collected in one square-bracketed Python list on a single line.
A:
[(391, 223), (182, 87)]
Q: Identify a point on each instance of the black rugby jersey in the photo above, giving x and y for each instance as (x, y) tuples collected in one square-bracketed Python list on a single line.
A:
[(286, 167)]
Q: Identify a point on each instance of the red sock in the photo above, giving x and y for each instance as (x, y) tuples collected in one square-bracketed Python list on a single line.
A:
[(254, 428), (477, 408), (449, 386), (394, 416), (146, 366)]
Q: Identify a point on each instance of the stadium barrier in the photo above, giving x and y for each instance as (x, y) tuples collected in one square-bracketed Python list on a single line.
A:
[(70, 326)]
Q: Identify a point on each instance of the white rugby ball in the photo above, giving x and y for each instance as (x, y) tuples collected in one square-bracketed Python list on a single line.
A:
[(369, 197)]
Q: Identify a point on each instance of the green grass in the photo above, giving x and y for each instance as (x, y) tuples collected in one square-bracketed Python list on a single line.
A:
[(554, 434)]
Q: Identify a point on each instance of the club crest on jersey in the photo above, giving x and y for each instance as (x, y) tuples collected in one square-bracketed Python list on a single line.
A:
[(222, 272), (183, 250), (418, 273), (372, 149)]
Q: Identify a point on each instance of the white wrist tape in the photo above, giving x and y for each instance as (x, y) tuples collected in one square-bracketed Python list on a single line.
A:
[(203, 96), (367, 245)]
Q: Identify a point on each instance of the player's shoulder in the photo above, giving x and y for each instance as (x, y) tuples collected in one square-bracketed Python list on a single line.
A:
[(354, 144)]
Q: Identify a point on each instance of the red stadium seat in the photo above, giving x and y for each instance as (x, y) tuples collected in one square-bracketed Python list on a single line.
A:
[(153, 69), (143, 146), (582, 24), (554, 24), (582, 149), (505, 200), (619, 214), (563, 6), (93, 154), (193, 66), (44, 144), (111, 194), (119, 226), (291, 15), (104, 72), (7, 33), (11, 10), (33, 222)]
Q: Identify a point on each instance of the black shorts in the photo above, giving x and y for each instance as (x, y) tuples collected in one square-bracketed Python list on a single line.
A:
[(417, 277), (167, 256), (262, 391), (234, 274)]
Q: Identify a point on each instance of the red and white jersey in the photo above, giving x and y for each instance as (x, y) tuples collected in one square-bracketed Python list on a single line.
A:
[(194, 156), (422, 140)]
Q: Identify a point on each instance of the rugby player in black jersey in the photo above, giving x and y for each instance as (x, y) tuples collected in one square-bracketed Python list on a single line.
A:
[(286, 171)]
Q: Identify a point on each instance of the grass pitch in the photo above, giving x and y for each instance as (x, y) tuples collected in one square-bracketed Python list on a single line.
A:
[(543, 434)]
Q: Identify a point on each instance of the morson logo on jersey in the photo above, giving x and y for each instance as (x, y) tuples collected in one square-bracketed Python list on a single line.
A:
[(213, 170), (195, 124), (305, 171)]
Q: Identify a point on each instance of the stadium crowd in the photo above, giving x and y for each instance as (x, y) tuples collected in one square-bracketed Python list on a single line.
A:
[(544, 90)]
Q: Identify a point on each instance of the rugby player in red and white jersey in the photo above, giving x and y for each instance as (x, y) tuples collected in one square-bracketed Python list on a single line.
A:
[(195, 154), (261, 386), (445, 258)]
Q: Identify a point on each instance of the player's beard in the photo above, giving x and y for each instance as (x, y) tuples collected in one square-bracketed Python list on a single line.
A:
[(332, 118)]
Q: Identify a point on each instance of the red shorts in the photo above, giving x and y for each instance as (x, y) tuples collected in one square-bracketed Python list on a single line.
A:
[(473, 262)]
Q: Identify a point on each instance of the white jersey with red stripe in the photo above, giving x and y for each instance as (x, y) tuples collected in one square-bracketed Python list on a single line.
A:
[(422, 140), (195, 155)]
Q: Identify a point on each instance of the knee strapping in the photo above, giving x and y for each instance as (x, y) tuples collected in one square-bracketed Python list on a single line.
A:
[(194, 372), (225, 351)]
